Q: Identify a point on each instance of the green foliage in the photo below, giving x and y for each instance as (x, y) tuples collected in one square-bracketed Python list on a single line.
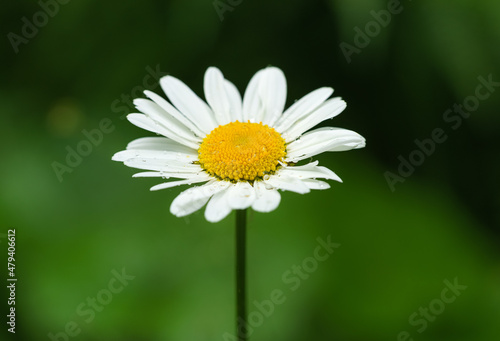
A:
[(396, 248)]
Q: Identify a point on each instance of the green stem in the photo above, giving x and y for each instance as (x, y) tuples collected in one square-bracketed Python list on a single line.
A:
[(241, 310)]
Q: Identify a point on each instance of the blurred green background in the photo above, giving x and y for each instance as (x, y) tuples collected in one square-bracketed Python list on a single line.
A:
[(78, 68)]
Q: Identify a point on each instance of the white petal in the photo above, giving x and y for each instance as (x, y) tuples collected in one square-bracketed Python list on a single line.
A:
[(272, 91), (217, 208), (188, 103), (252, 103), (322, 140), (302, 108), (144, 122), (267, 200), (188, 181), (215, 93), (315, 184), (311, 170), (160, 143), (329, 109), (265, 96), (170, 110), (240, 195), (151, 175), (167, 166), (166, 175), (287, 183), (194, 198), (234, 98), (130, 154), (157, 114)]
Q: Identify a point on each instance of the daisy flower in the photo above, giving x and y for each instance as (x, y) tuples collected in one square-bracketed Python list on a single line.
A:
[(238, 152)]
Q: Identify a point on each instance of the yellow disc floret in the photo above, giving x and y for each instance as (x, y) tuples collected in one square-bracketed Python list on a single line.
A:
[(241, 151)]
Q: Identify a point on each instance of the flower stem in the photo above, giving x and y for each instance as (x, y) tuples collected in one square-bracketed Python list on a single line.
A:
[(241, 310)]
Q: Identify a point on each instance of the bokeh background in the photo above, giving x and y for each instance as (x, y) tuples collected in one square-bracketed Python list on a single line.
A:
[(81, 65)]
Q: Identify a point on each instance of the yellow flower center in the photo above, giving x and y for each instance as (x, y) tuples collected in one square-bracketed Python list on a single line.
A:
[(241, 151)]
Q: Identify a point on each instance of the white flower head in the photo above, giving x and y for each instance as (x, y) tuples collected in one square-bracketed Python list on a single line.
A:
[(239, 152)]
